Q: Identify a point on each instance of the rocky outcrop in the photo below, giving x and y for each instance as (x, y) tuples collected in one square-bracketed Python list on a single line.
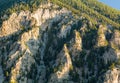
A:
[(115, 42), (22, 68), (111, 76), (53, 45), (101, 41), (28, 51), (116, 37), (15, 23), (64, 65), (75, 46)]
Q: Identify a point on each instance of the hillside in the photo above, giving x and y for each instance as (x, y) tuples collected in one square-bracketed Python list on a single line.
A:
[(59, 41)]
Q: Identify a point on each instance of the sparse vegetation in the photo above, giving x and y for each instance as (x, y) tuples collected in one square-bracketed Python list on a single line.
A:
[(78, 6), (85, 65), (13, 81), (112, 66)]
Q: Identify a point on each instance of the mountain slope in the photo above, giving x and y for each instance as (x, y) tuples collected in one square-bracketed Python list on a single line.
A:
[(107, 11), (59, 41)]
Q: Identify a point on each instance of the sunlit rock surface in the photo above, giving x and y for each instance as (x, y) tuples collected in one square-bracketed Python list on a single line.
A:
[(53, 45)]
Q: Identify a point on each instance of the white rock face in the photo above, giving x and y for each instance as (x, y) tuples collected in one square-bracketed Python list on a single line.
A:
[(47, 46), (32, 43), (112, 76), (64, 31), (19, 21), (78, 41), (101, 41), (29, 40), (42, 15), (75, 44), (64, 62), (23, 66), (14, 23), (115, 42), (116, 37)]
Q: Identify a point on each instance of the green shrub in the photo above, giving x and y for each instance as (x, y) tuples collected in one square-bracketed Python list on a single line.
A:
[(112, 66)]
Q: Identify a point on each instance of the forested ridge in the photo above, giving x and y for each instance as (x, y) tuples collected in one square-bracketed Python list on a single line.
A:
[(91, 9)]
